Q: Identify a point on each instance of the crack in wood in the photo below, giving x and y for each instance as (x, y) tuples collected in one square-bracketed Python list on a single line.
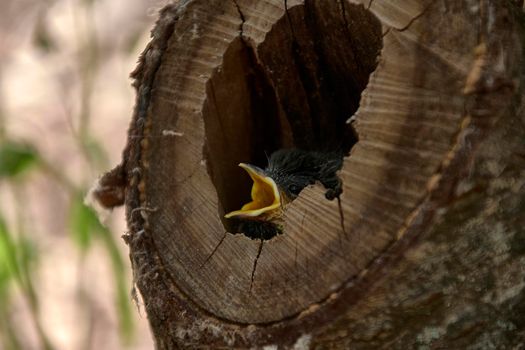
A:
[(407, 26), (189, 176), (214, 250), (289, 20), (243, 19), (259, 251), (412, 20), (341, 214)]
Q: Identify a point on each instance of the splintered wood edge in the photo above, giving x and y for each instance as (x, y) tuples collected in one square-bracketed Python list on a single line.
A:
[(154, 281)]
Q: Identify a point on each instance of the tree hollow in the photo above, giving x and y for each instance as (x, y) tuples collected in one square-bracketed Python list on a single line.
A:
[(224, 82), (297, 87)]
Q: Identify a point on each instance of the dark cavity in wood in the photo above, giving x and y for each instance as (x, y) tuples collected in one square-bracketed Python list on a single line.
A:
[(296, 89)]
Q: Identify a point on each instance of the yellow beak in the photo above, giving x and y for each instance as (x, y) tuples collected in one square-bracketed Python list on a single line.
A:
[(265, 195)]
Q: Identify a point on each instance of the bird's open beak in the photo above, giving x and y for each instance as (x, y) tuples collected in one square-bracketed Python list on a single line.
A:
[(265, 195)]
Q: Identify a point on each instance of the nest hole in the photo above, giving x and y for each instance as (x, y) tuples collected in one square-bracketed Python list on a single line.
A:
[(297, 89)]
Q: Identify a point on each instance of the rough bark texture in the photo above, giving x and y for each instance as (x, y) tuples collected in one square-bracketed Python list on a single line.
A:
[(431, 250)]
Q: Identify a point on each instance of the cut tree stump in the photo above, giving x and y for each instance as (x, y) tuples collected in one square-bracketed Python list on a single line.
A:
[(428, 249)]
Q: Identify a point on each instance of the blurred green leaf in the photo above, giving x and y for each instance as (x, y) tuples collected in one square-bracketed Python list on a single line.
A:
[(9, 340), (8, 261), (83, 221), (85, 225), (123, 302), (26, 260), (15, 158), (27, 253), (5, 279), (17, 259)]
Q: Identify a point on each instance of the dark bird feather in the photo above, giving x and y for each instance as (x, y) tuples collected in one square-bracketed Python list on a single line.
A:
[(294, 169)]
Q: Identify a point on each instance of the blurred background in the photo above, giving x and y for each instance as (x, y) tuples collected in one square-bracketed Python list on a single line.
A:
[(65, 105)]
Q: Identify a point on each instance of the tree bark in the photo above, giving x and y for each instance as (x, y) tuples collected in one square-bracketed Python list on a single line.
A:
[(427, 249)]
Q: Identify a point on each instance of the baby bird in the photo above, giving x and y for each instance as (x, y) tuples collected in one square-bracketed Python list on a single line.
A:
[(288, 172)]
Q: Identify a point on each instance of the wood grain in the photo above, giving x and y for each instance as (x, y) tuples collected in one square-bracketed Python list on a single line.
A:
[(224, 82)]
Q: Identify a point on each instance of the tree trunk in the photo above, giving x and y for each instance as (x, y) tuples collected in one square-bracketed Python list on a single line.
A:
[(427, 247)]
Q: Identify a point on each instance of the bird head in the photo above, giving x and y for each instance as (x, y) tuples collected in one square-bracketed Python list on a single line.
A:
[(266, 196), (288, 172)]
